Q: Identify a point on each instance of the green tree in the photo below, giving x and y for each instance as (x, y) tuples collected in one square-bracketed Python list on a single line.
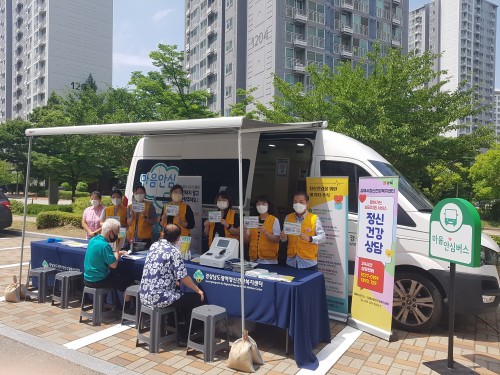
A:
[(165, 94), (485, 174), (14, 144), (244, 100), (393, 108), (6, 176)]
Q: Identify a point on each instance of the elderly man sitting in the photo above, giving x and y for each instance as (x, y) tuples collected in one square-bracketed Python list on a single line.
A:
[(100, 259), (163, 269)]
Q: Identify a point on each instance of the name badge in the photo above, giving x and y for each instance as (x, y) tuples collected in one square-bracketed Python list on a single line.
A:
[(214, 216), (138, 207), (291, 228), (172, 209), (251, 221)]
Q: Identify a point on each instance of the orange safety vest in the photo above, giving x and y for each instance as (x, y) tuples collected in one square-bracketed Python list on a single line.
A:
[(121, 212), (230, 220), (259, 245), (145, 230), (296, 246), (182, 214)]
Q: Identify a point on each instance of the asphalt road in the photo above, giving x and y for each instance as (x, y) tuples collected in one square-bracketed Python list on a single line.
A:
[(20, 359)]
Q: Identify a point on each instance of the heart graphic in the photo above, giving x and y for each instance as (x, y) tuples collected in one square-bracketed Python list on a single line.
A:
[(338, 198), (362, 197), (450, 239)]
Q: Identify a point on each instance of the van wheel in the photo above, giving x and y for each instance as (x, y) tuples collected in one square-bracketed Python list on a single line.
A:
[(417, 303)]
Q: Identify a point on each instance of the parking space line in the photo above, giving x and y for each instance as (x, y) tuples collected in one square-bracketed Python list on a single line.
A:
[(332, 352), (12, 248), (98, 336), (13, 265)]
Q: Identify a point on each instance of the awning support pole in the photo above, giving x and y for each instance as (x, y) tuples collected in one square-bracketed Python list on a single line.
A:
[(242, 254), (26, 186)]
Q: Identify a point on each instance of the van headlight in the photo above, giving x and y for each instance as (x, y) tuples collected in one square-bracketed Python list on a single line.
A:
[(489, 257)]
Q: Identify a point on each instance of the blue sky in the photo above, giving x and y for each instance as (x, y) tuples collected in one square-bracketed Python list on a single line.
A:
[(140, 25)]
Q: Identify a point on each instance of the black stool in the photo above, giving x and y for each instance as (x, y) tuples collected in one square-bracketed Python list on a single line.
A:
[(100, 309), (132, 291), (68, 281), (42, 273), (158, 327)]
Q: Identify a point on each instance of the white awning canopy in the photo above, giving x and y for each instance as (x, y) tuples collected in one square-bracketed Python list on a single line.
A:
[(198, 126)]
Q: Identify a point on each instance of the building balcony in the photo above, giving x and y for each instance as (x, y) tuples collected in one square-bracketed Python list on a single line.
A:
[(297, 14), (300, 41), (396, 2), (345, 28), (396, 41), (212, 9), (345, 51), (396, 19), (187, 47), (210, 51), (347, 4)]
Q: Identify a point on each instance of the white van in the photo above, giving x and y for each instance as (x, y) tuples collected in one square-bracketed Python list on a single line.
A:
[(310, 150)]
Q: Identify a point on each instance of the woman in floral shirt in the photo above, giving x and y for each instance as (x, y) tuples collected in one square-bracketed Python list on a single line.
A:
[(163, 268)]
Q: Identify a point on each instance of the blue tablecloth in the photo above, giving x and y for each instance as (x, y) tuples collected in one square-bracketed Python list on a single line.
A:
[(299, 305)]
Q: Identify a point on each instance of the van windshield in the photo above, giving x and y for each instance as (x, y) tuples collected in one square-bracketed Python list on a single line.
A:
[(414, 196)]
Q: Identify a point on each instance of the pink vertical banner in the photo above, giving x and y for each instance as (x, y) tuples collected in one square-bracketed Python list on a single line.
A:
[(375, 255)]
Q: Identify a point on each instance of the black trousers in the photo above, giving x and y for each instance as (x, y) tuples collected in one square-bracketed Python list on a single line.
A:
[(113, 281), (184, 307)]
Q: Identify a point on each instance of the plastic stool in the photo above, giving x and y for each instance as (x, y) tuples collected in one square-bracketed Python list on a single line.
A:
[(100, 309), (158, 328), (209, 315), (132, 291), (42, 273), (66, 279)]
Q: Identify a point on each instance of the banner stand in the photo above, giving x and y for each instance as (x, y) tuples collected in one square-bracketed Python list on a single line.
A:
[(340, 317), (372, 330)]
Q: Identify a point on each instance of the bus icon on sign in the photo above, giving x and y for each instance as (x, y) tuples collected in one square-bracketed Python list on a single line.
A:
[(450, 217)]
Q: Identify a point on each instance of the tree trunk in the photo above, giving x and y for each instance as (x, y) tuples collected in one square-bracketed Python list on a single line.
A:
[(53, 191)]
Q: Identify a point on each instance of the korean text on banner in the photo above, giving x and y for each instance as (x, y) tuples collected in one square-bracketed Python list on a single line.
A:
[(375, 254), (329, 200)]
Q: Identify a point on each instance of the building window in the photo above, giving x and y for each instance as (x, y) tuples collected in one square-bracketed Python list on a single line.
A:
[(229, 46), (229, 4), (228, 91), (229, 24), (229, 68)]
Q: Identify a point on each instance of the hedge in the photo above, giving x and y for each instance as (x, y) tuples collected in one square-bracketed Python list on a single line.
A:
[(17, 207), (67, 194), (496, 239), (35, 208), (53, 219), (80, 204)]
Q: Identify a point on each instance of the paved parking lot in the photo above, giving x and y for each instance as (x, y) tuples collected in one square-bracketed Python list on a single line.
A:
[(53, 330)]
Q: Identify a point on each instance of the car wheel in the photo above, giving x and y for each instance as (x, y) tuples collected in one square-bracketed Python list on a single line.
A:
[(417, 302)]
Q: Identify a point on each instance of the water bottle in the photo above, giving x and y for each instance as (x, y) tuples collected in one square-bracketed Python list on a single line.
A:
[(131, 242), (187, 256)]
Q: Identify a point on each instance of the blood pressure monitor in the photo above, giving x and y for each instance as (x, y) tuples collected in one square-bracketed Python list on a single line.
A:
[(222, 249)]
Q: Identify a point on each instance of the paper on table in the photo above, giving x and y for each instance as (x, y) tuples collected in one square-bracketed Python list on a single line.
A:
[(134, 257), (74, 244)]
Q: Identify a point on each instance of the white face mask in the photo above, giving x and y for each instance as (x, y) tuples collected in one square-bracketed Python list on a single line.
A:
[(262, 208), (222, 205), (299, 207), (95, 202), (116, 201), (139, 197), (176, 197)]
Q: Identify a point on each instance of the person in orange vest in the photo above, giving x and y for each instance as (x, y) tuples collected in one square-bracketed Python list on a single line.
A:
[(230, 222), (140, 223), (184, 218), (263, 242), (116, 210), (302, 249)]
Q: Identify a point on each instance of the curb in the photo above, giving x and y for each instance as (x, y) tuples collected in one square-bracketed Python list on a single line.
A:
[(18, 233)]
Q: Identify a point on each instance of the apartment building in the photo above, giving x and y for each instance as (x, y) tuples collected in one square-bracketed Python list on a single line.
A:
[(51, 45), (464, 33), (233, 44), (497, 114)]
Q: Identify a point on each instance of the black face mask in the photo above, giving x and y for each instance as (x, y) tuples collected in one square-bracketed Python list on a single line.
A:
[(111, 240)]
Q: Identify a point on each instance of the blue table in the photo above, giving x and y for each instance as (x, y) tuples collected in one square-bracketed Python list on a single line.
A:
[(299, 306)]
